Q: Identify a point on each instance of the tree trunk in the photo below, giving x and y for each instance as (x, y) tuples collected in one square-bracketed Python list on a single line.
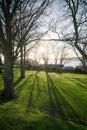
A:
[(0, 66), (8, 77), (22, 62)]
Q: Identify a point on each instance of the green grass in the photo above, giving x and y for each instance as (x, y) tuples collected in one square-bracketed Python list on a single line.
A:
[(46, 101)]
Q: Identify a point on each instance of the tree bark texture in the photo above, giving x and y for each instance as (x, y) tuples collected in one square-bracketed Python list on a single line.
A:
[(8, 76)]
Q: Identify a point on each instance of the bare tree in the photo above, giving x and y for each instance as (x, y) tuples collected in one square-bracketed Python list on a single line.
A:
[(65, 57), (61, 57), (71, 27), (12, 12), (76, 11), (45, 57), (81, 57), (56, 56)]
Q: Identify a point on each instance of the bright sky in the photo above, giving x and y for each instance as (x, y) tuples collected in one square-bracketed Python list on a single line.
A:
[(45, 48), (49, 50)]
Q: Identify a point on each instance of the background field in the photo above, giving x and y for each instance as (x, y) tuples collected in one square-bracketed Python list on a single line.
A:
[(46, 101)]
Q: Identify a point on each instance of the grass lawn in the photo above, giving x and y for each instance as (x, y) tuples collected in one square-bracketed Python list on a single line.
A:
[(46, 101)]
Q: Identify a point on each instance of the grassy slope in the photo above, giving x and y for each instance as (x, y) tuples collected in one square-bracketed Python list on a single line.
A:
[(46, 101)]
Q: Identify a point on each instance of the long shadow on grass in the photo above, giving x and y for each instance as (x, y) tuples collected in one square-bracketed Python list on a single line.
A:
[(13, 121), (20, 87), (3, 100), (54, 98), (35, 81), (72, 114), (60, 104), (77, 81), (38, 86), (17, 81)]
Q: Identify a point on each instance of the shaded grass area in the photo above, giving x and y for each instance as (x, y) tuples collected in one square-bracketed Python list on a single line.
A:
[(46, 101)]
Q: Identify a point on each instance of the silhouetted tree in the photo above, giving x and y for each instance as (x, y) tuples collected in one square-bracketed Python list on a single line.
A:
[(61, 57), (76, 11), (10, 33), (71, 26)]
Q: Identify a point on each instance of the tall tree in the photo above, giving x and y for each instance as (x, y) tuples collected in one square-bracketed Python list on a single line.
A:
[(76, 12), (71, 26), (12, 12)]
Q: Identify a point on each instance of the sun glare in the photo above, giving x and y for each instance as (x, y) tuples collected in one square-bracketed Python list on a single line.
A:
[(41, 49)]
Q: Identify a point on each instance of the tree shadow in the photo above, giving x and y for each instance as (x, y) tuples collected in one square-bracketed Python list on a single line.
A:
[(17, 81), (78, 81), (38, 86), (48, 123), (4, 100), (13, 121), (61, 105), (83, 80), (20, 87), (30, 102), (55, 103)]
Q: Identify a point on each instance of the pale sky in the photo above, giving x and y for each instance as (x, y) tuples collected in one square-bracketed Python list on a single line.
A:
[(48, 48)]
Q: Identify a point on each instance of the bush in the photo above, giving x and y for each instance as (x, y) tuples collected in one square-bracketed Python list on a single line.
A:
[(79, 71)]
